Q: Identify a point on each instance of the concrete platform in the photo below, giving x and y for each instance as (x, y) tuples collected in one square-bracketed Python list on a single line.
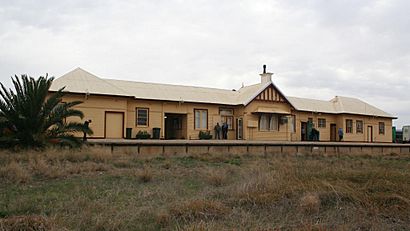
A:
[(175, 147)]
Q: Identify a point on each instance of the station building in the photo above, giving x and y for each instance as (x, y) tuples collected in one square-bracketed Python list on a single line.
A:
[(256, 112)]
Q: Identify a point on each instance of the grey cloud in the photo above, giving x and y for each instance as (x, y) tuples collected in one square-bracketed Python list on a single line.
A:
[(316, 48)]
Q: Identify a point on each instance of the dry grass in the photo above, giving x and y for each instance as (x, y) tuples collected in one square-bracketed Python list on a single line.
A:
[(198, 209), (14, 172), (310, 203), (92, 189), (144, 175), (34, 223), (216, 177)]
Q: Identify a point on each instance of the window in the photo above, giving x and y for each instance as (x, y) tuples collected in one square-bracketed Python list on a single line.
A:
[(381, 128), (227, 116), (321, 123), (268, 122), (292, 123), (201, 119), (264, 122), (349, 126), (274, 123), (142, 116), (359, 126)]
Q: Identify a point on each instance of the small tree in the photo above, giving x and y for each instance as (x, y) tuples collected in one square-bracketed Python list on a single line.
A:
[(31, 117)]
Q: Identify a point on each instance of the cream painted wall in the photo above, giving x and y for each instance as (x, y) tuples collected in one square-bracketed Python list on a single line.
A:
[(251, 121), (324, 133), (94, 108), (368, 121), (158, 109)]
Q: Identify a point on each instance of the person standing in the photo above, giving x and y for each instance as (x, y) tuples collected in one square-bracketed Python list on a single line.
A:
[(86, 126), (340, 132), (217, 129), (225, 130)]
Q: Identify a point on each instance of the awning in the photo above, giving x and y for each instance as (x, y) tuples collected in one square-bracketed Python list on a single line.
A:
[(271, 111)]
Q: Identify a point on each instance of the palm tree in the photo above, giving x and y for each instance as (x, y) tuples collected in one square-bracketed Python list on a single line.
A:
[(31, 117)]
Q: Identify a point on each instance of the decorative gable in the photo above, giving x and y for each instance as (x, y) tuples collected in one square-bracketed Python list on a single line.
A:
[(270, 94)]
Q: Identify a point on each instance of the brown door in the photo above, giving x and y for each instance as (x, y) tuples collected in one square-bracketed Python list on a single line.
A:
[(175, 126), (332, 132), (114, 125), (303, 131), (369, 134)]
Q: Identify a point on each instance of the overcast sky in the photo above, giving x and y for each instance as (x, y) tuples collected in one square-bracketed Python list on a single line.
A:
[(317, 48)]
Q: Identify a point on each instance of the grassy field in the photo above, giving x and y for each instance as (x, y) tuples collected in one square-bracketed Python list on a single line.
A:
[(96, 190)]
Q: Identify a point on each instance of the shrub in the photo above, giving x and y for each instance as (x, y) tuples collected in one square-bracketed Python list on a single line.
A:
[(310, 203), (143, 135), (33, 117), (205, 135)]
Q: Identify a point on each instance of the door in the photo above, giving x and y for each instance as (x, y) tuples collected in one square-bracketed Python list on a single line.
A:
[(332, 132), (369, 134), (114, 125), (303, 131), (175, 126), (239, 129)]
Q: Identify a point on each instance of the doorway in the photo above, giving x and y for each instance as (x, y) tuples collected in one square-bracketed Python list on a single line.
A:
[(333, 132), (369, 134), (303, 131), (114, 125), (239, 129), (175, 126)]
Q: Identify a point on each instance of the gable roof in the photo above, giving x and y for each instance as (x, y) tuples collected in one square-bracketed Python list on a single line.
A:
[(83, 82), (338, 105)]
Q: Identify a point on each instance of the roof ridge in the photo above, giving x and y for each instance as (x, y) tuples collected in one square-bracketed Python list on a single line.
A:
[(170, 84)]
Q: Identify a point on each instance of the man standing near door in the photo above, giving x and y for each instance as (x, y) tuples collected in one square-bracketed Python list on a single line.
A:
[(340, 132), (224, 131), (217, 129)]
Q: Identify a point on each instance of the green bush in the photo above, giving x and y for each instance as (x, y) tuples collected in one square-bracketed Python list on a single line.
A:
[(31, 116), (143, 135), (205, 135)]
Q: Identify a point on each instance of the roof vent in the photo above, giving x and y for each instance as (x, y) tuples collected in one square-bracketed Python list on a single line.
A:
[(266, 76)]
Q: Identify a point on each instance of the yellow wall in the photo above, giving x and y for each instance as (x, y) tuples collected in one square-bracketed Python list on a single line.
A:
[(324, 133), (158, 109), (250, 119), (95, 107), (340, 121), (368, 121)]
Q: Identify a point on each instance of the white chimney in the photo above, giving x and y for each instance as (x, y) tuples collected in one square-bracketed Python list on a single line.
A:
[(266, 76)]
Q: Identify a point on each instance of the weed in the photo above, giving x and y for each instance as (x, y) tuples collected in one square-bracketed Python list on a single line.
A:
[(234, 161), (310, 203), (144, 175)]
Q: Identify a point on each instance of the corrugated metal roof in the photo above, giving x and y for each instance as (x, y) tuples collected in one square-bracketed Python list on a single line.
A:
[(81, 81), (338, 105)]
